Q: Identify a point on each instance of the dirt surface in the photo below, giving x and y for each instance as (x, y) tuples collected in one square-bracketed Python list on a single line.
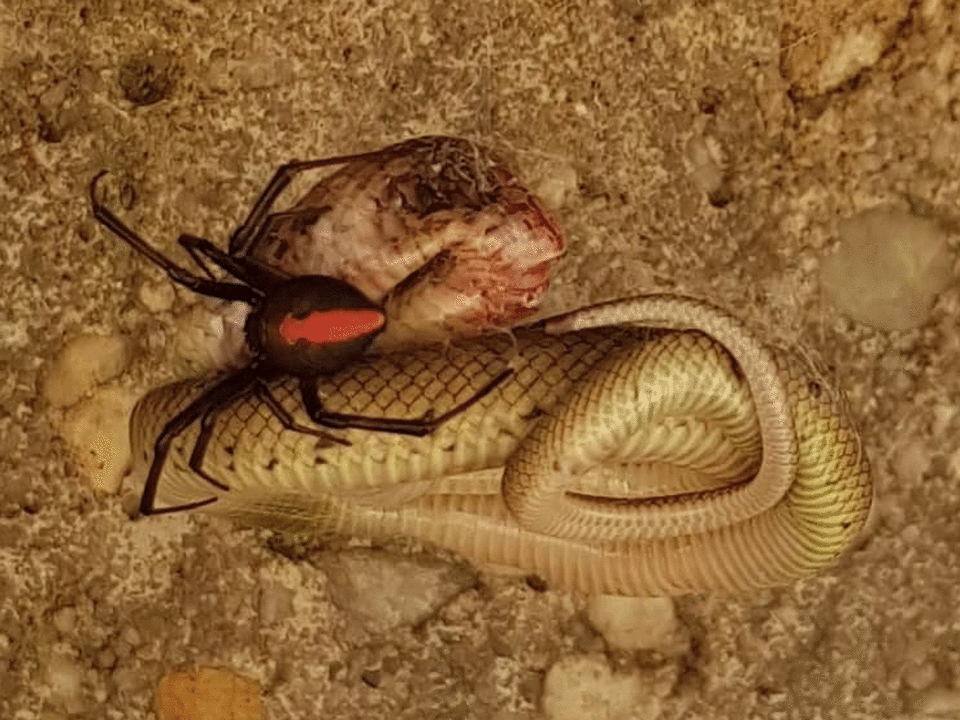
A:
[(682, 149)]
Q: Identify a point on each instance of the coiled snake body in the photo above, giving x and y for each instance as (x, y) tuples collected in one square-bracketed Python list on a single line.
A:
[(648, 446)]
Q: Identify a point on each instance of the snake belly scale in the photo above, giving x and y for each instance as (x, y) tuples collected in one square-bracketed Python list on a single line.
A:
[(648, 446)]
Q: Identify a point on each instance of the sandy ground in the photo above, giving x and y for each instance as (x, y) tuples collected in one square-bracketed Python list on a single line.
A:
[(613, 110)]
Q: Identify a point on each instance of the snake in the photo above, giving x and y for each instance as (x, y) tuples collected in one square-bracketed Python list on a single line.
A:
[(643, 447)]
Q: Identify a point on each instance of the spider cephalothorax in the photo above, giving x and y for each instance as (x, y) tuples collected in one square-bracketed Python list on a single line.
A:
[(306, 326)]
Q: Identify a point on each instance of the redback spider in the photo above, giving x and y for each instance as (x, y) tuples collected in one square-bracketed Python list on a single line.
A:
[(305, 326)]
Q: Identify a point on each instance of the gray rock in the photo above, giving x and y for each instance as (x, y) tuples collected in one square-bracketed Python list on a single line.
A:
[(889, 269), (386, 590)]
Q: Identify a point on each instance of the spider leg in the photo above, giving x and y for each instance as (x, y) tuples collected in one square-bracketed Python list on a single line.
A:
[(203, 286), (286, 419), (206, 407), (262, 391), (207, 423), (249, 232), (189, 242), (418, 427), (249, 271)]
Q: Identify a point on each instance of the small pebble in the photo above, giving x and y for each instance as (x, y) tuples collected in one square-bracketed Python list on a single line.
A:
[(129, 681), (558, 184), (218, 71), (53, 98), (100, 694), (121, 648), (637, 623), (83, 363), (920, 676), (105, 659), (857, 49), (586, 687), (276, 603), (372, 678), (157, 297), (704, 160), (131, 636), (66, 683), (97, 431), (889, 269), (65, 619)]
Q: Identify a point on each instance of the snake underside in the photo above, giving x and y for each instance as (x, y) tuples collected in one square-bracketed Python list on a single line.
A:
[(618, 423)]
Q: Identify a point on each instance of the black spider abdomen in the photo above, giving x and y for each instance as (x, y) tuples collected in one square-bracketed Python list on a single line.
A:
[(313, 325)]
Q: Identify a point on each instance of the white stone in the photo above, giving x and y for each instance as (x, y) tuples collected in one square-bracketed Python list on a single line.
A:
[(858, 49), (931, 9), (66, 683), (14, 333), (65, 619), (558, 185), (636, 623), (157, 296), (586, 687), (97, 431), (703, 157), (920, 676), (83, 363), (889, 269)]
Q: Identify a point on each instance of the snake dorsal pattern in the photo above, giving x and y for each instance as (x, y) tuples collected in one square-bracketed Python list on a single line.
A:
[(648, 446)]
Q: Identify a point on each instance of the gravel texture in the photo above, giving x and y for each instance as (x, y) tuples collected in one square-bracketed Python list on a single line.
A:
[(696, 146)]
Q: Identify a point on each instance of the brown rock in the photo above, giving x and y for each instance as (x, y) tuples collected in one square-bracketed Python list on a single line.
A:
[(208, 693)]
